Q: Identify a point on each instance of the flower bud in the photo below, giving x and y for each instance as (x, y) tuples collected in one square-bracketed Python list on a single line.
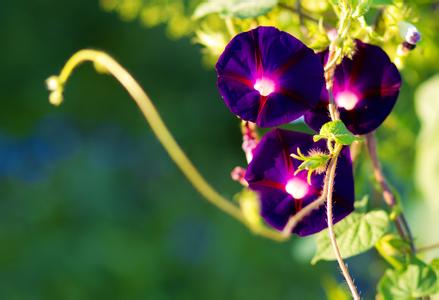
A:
[(250, 139), (238, 174), (409, 33)]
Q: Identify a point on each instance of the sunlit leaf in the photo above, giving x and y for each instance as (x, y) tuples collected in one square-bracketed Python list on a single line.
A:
[(242, 9), (355, 234), (394, 250), (207, 8), (417, 280), (251, 8)]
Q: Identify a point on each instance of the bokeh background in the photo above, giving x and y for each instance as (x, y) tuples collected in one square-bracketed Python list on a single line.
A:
[(91, 207)]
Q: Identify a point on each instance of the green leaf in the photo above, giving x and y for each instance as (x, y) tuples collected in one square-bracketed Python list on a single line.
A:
[(242, 9), (381, 2), (361, 205), (362, 8), (336, 131), (435, 264), (355, 234), (394, 250), (207, 8), (416, 280)]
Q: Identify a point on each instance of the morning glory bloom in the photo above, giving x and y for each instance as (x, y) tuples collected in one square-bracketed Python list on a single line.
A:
[(283, 194), (365, 90), (268, 77)]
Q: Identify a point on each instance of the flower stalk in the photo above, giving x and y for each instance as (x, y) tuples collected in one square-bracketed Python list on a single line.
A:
[(108, 65)]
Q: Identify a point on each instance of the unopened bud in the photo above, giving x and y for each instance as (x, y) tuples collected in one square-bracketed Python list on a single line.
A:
[(250, 139), (238, 175), (409, 33)]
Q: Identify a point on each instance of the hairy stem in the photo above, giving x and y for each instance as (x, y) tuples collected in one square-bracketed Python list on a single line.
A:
[(388, 196), (108, 64), (335, 54), (344, 269)]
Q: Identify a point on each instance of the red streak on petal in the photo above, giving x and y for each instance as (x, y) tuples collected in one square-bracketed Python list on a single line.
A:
[(298, 205), (239, 78), (262, 101), (270, 184), (355, 73), (287, 158), (294, 59), (295, 97), (381, 91), (257, 53), (390, 90)]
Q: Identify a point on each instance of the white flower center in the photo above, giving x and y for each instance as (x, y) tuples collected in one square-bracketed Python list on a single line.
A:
[(264, 86), (297, 188), (347, 100)]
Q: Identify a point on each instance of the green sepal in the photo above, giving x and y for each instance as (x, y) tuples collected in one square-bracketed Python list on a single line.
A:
[(316, 161)]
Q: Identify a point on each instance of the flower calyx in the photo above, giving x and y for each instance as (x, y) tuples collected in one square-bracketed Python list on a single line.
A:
[(315, 161)]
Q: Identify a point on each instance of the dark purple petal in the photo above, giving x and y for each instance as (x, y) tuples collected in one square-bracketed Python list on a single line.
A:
[(318, 116), (269, 77), (271, 174), (365, 90)]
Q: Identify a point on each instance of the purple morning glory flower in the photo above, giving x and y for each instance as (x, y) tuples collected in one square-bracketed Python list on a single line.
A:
[(269, 77), (365, 90), (283, 194)]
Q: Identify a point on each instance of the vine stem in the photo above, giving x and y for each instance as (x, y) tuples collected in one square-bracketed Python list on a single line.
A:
[(327, 193), (106, 63), (328, 187), (333, 57), (388, 196), (344, 269), (295, 219)]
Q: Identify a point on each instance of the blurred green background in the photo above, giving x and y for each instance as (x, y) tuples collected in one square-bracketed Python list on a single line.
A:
[(92, 208)]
